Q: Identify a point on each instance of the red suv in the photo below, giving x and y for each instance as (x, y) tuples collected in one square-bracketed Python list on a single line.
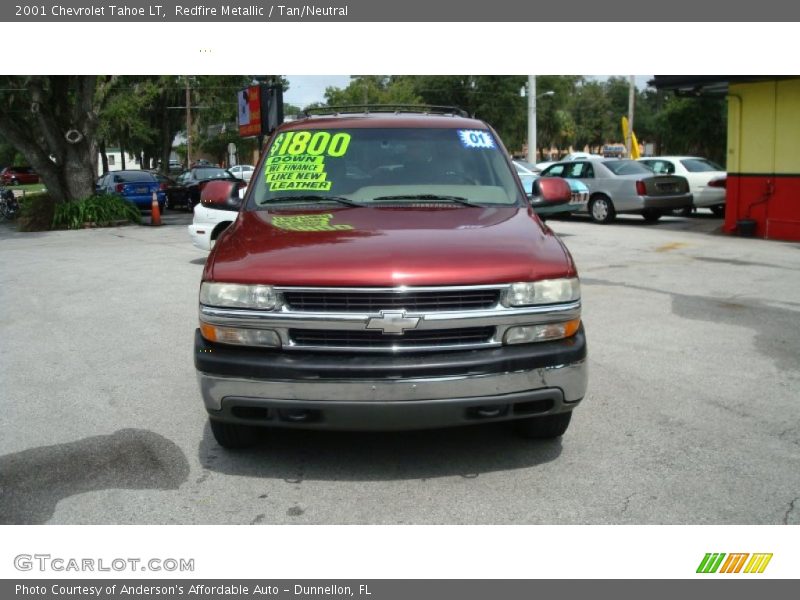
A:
[(18, 175), (386, 271)]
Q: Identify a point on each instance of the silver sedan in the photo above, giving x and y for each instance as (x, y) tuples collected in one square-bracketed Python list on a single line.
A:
[(624, 186)]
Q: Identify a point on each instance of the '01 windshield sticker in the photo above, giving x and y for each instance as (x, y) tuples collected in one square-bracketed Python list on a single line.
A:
[(308, 223), (475, 138)]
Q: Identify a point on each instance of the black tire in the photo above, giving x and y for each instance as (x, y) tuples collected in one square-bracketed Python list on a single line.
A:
[(233, 437), (687, 211), (718, 211), (601, 209), (651, 215), (543, 428)]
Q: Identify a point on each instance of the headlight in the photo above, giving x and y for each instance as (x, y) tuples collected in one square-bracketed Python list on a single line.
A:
[(235, 295), (547, 291)]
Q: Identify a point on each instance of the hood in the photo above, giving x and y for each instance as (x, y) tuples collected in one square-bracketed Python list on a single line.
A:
[(388, 247)]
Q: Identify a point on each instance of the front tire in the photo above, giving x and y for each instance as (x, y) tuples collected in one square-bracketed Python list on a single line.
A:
[(233, 437), (543, 428), (601, 210), (718, 211)]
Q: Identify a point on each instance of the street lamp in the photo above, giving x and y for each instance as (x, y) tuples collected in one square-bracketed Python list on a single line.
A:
[(532, 97)]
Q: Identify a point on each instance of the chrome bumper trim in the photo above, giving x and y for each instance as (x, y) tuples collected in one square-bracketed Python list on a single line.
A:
[(570, 378)]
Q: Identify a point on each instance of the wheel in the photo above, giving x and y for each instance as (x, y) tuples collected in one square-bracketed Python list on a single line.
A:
[(166, 203), (651, 215), (686, 211), (718, 211), (233, 436), (601, 210), (543, 428)]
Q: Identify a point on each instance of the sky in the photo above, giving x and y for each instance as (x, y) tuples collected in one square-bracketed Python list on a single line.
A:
[(306, 89)]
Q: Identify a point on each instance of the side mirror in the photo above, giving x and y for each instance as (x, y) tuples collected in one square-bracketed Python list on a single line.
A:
[(551, 190), (222, 195)]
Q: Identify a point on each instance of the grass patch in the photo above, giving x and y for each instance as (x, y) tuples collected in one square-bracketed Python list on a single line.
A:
[(94, 211), (29, 188)]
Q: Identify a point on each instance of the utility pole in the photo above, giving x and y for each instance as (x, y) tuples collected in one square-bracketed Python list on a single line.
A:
[(188, 124), (532, 119), (631, 96)]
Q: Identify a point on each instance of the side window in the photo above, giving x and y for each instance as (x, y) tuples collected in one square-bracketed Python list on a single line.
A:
[(660, 167), (581, 170), (555, 171)]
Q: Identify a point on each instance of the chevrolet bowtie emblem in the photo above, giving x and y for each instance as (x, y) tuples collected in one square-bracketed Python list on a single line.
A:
[(393, 322)]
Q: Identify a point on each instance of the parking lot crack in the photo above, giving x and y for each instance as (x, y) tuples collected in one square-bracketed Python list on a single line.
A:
[(790, 511)]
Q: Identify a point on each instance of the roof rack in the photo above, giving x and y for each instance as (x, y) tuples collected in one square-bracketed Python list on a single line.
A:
[(427, 109)]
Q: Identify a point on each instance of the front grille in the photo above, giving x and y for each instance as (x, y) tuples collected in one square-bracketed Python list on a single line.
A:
[(370, 302), (376, 339)]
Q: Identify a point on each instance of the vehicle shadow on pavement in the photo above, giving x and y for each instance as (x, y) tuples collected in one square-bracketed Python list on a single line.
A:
[(33, 481), (296, 455)]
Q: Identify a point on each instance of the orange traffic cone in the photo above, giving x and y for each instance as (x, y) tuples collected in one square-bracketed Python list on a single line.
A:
[(155, 212)]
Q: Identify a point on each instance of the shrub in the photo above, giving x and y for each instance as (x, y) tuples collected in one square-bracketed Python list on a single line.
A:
[(36, 212), (98, 211)]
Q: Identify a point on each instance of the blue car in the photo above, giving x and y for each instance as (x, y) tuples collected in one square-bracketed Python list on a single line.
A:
[(136, 187), (580, 194)]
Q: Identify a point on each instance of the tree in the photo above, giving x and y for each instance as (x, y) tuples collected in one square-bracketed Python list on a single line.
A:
[(616, 91), (373, 89), (52, 121), (590, 112), (695, 126), (555, 123)]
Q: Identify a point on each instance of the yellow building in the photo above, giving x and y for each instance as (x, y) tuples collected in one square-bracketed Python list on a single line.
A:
[(763, 154)]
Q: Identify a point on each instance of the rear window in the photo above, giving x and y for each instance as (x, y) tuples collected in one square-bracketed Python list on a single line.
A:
[(134, 176), (700, 165), (627, 167), (211, 173), (380, 165)]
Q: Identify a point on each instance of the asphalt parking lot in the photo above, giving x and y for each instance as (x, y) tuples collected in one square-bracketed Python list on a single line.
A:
[(692, 414)]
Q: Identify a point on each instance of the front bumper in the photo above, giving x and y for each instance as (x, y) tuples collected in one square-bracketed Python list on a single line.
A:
[(316, 390)]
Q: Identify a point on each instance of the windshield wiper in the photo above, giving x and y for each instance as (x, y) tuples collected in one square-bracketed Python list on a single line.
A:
[(306, 198), (458, 199)]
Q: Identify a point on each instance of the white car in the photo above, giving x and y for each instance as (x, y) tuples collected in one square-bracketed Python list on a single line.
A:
[(242, 171), (569, 157), (706, 179), (208, 223)]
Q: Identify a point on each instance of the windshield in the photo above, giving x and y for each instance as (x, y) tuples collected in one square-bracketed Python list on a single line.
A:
[(700, 165), (627, 167), (380, 166)]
